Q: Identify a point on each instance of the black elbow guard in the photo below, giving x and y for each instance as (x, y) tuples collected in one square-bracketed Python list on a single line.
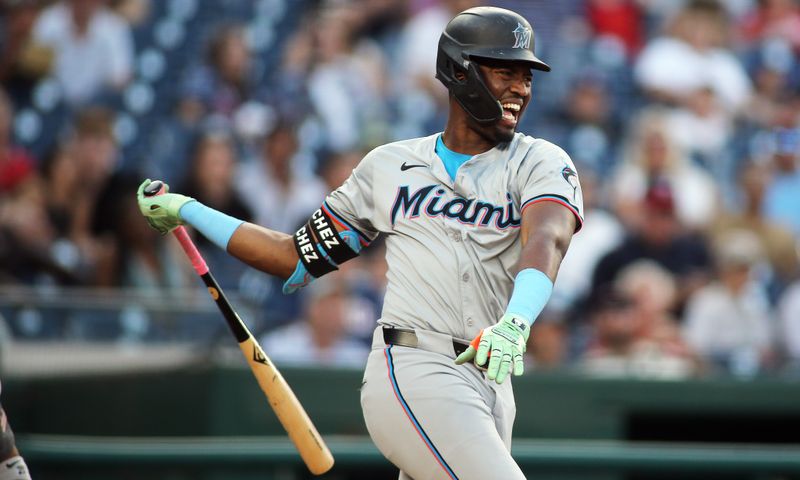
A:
[(321, 247)]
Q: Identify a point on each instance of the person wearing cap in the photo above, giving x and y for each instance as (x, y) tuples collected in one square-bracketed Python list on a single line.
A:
[(658, 235), (730, 321)]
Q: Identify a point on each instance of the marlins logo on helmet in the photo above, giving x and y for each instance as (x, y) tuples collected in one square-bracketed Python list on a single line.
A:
[(523, 36)]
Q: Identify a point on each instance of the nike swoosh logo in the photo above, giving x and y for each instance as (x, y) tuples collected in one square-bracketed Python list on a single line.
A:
[(11, 465), (405, 167)]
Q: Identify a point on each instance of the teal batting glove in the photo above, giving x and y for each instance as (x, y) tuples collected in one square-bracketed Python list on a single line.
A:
[(162, 212), (502, 344)]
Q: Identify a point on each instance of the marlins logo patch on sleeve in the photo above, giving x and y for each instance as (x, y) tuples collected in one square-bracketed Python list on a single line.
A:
[(572, 178)]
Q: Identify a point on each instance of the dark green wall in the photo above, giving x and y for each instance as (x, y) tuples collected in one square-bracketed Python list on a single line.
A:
[(227, 401)]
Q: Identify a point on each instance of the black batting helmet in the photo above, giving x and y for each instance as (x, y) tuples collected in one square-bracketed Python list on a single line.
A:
[(482, 33)]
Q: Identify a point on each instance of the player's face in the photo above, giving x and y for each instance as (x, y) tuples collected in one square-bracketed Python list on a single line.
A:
[(510, 83)]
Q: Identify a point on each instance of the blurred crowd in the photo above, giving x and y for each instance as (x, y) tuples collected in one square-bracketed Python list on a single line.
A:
[(683, 119)]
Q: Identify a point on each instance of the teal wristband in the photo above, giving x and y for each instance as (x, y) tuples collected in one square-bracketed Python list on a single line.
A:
[(532, 290), (214, 225)]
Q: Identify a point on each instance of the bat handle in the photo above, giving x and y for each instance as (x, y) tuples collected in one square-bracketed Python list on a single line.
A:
[(198, 263), (157, 187)]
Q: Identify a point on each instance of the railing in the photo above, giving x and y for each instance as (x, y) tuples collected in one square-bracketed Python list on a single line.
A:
[(113, 315), (77, 298), (582, 455)]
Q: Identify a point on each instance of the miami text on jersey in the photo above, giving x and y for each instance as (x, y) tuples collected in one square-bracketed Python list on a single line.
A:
[(466, 211)]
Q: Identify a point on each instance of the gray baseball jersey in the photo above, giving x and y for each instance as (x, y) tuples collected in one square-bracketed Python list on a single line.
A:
[(451, 249)]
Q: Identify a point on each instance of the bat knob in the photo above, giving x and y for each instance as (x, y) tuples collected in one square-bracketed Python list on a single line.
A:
[(154, 188)]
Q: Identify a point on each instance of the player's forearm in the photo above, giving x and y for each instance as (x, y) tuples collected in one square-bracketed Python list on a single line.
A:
[(267, 250), (546, 233), (12, 465)]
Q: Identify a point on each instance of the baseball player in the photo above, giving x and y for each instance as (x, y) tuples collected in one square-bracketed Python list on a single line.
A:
[(12, 465), (476, 220)]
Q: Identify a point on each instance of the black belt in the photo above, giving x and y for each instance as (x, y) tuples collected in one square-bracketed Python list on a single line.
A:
[(407, 338)]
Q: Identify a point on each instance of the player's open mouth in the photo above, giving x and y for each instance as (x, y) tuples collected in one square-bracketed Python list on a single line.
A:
[(510, 113)]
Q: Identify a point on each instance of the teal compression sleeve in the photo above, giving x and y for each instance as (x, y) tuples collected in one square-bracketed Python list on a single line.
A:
[(532, 290), (214, 225)]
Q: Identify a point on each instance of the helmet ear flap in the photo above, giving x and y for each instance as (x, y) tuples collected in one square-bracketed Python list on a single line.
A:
[(475, 98), (447, 68)]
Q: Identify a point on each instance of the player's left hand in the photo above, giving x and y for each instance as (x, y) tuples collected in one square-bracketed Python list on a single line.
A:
[(503, 345)]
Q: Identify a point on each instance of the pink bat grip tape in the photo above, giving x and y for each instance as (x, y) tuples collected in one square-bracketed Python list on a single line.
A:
[(191, 251)]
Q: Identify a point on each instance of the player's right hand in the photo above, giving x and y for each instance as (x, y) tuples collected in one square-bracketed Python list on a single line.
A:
[(502, 345), (162, 211)]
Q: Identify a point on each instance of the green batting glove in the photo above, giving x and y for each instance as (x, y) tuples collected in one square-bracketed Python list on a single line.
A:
[(162, 212), (507, 341)]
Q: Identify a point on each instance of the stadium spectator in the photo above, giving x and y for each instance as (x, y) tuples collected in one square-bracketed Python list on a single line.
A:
[(61, 173), (613, 330), (620, 19), (347, 83), (585, 123), (659, 349), (16, 164), (93, 48), (777, 241), (622, 345), (279, 196), (76, 172), (415, 58), (693, 55), (212, 169), (223, 82), (94, 147), (23, 60), (772, 19), (616, 349), (67, 210), (782, 199), (550, 349), (729, 322), (136, 256), (320, 338), (288, 92), (775, 76), (338, 166), (703, 130), (134, 12), (366, 277), (654, 157), (27, 237), (658, 235)]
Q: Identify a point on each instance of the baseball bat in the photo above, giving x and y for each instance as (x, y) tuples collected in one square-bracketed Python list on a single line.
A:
[(282, 399)]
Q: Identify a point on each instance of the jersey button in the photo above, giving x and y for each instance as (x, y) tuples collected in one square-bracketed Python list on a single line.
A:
[(469, 322), (465, 277), (455, 236)]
